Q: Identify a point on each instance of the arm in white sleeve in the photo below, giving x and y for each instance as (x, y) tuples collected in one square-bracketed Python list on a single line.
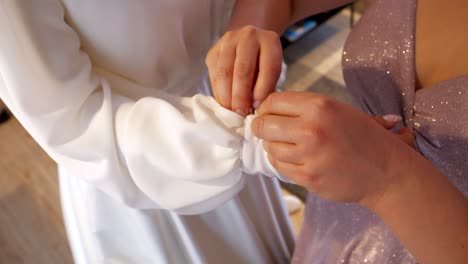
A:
[(148, 151)]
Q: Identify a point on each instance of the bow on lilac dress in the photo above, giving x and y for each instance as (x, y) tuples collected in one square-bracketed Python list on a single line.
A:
[(379, 70)]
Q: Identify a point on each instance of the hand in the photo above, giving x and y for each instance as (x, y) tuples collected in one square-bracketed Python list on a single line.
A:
[(244, 67), (390, 121), (329, 147)]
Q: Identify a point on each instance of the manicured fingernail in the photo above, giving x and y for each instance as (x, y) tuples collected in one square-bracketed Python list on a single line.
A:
[(256, 104), (241, 112), (392, 118)]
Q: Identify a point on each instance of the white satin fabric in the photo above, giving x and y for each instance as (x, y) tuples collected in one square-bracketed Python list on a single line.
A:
[(98, 85)]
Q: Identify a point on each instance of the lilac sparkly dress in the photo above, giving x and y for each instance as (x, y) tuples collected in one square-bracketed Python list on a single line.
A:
[(379, 70)]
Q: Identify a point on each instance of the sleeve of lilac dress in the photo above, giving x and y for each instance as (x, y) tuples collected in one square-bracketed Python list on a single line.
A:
[(158, 151)]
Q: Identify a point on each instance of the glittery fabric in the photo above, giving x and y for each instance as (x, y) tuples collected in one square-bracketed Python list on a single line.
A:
[(379, 70)]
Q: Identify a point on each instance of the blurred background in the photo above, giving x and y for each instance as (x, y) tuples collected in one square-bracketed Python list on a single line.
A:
[(31, 226)]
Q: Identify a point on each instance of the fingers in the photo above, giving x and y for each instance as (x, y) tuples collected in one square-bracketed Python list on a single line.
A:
[(224, 70), (406, 135), (285, 103), (387, 121), (285, 152), (211, 63), (390, 121), (244, 73), (271, 58), (276, 128), (290, 170), (244, 67)]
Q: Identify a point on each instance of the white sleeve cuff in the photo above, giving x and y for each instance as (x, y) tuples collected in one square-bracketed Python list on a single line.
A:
[(254, 157)]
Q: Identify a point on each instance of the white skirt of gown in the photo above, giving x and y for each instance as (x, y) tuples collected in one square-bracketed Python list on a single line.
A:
[(251, 228)]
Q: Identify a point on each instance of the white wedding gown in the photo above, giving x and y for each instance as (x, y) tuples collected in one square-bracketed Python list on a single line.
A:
[(146, 175)]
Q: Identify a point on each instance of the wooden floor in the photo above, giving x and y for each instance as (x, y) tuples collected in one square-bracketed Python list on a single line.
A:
[(31, 227)]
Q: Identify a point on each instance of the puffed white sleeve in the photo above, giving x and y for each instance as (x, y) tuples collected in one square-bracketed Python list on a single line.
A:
[(151, 151)]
